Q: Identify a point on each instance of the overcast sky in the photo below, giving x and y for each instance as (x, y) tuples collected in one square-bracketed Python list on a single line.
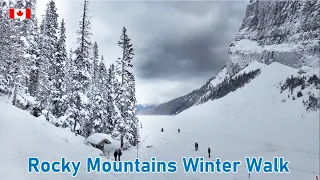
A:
[(178, 45)]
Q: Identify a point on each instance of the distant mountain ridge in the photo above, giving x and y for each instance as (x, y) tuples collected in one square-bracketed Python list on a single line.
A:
[(174, 107), (215, 88)]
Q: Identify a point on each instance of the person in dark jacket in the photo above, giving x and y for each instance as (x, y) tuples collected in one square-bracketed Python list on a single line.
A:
[(119, 154), (115, 154), (161, 129), (178, 130), (196, 146), (209, 151)]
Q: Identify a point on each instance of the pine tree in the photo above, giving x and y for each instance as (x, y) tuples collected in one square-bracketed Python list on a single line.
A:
[(125, 94), (18, 61), (81, 78), (6, 81), (58, 98), (69, 86), (110, 94), (48, 48), (133, 123), (25, 40), (97, 101), (69, 73), (32, 38), (95, 62), (95, 93)]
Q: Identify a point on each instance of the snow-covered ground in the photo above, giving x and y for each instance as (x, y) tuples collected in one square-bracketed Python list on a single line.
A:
[(253, 121)]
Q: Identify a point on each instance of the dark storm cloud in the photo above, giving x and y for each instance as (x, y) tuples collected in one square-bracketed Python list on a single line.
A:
[(194, 56), (194, 45), (178, 44), (176, 39)]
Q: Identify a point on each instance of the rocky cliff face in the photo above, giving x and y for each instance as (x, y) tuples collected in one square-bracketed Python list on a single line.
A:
[(287, 32)]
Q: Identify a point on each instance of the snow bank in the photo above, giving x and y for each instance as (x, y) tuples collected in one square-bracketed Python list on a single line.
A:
[(23, 136)]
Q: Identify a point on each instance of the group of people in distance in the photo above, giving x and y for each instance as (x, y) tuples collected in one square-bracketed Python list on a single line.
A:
[(163, 130), (117, 153), (196, 146)]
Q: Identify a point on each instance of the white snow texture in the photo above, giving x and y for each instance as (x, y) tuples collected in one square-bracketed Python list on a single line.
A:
[(253, 121)]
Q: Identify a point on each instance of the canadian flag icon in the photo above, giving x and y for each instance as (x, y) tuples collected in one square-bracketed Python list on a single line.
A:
[(19, 13)]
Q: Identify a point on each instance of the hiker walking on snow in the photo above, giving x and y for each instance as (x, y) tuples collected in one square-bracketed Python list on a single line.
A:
[(178, 130), (196, 146), (115, 154), (209, 151), (119, 154)]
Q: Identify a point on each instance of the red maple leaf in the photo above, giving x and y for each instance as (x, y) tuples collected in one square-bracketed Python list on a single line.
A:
[(19, 13)]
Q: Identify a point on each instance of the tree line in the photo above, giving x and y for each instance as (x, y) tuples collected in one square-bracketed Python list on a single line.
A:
[(74, 89), (312, 103)]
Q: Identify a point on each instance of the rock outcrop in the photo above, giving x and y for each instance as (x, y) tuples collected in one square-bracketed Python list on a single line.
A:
[(287, 32)]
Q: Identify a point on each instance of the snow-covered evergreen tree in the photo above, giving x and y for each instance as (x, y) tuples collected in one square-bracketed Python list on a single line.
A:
[(58, 99), (125, 97), (95, 61), (133, 123), (48, 48), (81, 78), (6, 81), (19, 62), (32, 38), (24, 38), (110, 95), (68, 84), (97, 100), (69, 73)]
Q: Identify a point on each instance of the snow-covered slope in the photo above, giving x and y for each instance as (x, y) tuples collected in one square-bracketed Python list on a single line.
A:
[(212, 83), (251, 121), (216, 87), (283, 31), (23, 136)]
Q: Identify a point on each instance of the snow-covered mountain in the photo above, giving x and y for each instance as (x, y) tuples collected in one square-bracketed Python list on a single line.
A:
[(283, 31), (182, 103), (287, 32), (258, 120)]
